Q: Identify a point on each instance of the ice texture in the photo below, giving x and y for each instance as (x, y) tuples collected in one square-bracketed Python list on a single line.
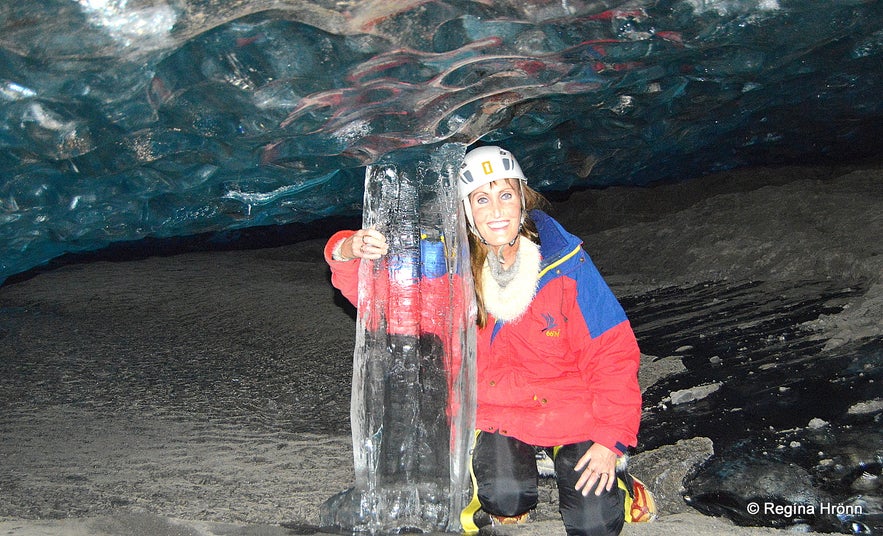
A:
[(413, 394), (125, 119)]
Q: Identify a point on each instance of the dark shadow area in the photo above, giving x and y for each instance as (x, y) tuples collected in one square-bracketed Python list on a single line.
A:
[(226, 240)]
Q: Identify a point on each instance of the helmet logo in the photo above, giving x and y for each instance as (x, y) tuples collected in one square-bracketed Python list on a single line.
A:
[(486, 167)]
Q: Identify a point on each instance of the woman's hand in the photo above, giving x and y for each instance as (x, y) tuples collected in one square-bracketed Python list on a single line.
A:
[(600, 470), (365, 244)]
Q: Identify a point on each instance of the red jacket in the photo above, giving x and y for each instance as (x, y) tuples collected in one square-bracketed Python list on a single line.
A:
[(563, 372)]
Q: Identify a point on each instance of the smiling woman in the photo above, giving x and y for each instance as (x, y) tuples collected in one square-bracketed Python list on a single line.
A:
[(556, 357), (552, 341)]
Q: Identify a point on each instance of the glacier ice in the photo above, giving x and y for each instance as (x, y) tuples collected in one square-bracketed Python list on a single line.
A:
[(413, 392), (122, 120)]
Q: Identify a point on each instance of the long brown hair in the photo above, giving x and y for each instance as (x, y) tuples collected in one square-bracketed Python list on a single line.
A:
[(478, 251)]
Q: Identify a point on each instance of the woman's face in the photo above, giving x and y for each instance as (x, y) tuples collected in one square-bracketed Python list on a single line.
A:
[(496, 211)]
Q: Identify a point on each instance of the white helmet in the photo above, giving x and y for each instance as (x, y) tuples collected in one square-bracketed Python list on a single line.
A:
[(484, 165)]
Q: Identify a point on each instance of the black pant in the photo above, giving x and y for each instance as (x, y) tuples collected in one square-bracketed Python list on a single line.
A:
[(506, 471)]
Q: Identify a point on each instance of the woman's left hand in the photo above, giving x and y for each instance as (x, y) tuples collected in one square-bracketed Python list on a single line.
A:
[(599, 463)]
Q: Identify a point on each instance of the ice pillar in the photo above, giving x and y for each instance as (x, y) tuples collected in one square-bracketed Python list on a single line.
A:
[(413, 394)]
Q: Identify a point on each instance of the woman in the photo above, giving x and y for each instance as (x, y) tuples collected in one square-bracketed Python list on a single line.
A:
[(557, 360)]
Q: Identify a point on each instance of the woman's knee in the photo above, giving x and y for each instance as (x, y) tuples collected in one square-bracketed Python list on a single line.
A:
[(503, 497), (593, 515), (505, 469), (584, 515)]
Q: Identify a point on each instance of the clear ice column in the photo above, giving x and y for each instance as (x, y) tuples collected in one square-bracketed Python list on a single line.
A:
[(413, 394)]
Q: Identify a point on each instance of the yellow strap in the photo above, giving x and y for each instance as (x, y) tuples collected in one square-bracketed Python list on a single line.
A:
[(628, 499), (467, 519)]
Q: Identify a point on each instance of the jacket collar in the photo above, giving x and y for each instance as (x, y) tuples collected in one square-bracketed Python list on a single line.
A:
[(555, 242)]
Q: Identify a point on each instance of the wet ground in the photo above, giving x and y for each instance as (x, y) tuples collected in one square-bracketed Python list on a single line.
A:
[(771, 397)]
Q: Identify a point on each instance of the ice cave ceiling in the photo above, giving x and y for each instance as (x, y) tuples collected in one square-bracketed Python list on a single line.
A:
[(125, 119)]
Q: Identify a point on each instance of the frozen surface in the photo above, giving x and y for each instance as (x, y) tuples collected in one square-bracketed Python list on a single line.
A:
[(154, 118), (412, 408)]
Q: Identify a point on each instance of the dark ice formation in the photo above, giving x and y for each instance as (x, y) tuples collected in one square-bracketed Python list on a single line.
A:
[(158, 118)]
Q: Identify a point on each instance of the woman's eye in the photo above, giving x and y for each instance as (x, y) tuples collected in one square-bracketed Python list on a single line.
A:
[(506, 196)]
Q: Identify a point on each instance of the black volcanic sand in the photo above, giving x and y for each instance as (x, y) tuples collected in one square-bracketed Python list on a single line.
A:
[(208, 392)]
